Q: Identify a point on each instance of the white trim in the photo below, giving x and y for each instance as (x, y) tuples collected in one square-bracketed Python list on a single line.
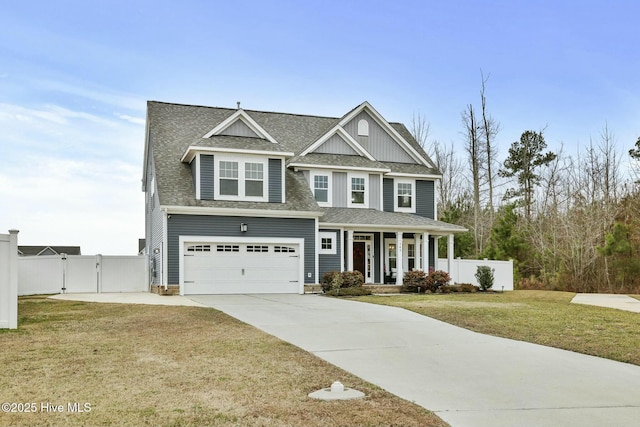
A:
[(350, 204), (412, 208), (338, 130), (164, 274), (434, 231), (242, 161), (193, 150), (342, 246), (369, 255), (218, 239), (241, 115), (197, 175), (312, 185), (337, 168), (334, 243), (197, 210), (283, 180), (424, 177), (363, 127), (381, 207), (317, 253)]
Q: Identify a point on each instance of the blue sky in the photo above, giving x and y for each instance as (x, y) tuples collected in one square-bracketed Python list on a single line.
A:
[(75, 77)]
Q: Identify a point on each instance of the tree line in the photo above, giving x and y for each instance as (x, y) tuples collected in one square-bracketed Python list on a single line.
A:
[(569, 221)]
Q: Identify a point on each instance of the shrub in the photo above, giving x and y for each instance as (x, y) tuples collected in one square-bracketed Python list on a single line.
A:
[(468, 287), (414, 281), (334, 280), (351, 279), (331, 280), (437, 279), (484, 275), (355, 291)]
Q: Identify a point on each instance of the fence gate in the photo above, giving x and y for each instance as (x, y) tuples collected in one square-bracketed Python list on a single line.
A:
[(82, 274)]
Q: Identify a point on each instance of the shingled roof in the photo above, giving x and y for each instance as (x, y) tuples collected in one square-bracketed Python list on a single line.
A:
[(173, 128)]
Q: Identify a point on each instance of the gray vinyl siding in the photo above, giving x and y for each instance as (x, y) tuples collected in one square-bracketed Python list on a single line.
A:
[(374, 191), (339, 190), (275, 180), (239, 128), (432, 253), (330, 262), (379, 143), (336, 145), (229, 226), (387, 195), (425, 197), (207, 177)]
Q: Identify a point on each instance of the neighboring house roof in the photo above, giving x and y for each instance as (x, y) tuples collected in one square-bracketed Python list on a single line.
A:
[(366, 218), (48, 250)]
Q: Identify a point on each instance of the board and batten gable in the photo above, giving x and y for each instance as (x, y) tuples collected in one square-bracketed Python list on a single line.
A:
[(239, 128), (229, 226), (336, 145), (378, 143)]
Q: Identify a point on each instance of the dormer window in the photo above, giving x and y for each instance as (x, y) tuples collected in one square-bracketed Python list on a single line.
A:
[(240, 178), (363, 128)]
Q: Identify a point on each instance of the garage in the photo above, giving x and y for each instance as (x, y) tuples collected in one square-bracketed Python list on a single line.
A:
[(241, 267)]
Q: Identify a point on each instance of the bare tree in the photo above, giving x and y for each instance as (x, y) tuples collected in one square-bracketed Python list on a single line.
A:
[(490, 129)]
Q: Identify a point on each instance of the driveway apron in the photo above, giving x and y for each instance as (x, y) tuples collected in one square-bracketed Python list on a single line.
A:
[(468, 379)]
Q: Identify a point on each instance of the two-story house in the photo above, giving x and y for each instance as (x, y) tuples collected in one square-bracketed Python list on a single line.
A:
[(241, 201)]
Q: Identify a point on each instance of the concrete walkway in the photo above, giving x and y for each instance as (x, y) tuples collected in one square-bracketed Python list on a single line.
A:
[(621, 302), (468, 379)]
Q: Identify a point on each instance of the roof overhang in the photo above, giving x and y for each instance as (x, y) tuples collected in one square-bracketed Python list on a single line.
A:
[(193, 150), (389, 227), (334, 167), (270, 213)]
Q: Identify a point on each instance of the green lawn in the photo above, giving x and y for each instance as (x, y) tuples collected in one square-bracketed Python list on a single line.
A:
[(137, 365), (541, 317)]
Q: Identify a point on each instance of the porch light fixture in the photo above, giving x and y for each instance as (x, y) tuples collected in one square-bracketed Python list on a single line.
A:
[(243, 227)]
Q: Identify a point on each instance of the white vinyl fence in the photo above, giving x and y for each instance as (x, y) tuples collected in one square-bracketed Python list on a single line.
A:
[(56, 274), (464, 271), (9, 280)]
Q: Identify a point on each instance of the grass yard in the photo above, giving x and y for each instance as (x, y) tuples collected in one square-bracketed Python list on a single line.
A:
[(172, 366), (541, 317)]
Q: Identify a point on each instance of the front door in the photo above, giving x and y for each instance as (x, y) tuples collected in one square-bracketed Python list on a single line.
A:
[(359, 258)]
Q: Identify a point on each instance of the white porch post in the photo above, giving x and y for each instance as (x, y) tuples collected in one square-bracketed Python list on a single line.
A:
[(435, 252), (349, 250), (450, 258), (399, 258), (425, 252), (418, 250)]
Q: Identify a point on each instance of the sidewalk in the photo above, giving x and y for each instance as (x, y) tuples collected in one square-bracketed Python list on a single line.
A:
[(621, 302)]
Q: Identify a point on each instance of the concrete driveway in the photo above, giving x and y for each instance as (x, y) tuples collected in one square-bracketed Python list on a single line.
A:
[(468, 379)]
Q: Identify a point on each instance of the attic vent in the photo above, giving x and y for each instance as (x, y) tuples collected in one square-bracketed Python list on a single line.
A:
[(363, 128)]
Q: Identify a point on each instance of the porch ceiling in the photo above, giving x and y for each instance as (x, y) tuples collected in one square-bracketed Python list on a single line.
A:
[(373, 219)]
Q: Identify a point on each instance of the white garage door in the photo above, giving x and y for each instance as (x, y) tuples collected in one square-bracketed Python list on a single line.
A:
[(241, 268)]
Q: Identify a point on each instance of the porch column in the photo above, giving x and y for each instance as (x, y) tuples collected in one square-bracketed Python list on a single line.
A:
[(435, 252), (418, 251), (349, 250), (425, 252), (399, 258), (450, 258)]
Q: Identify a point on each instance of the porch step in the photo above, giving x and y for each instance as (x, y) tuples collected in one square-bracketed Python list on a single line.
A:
[(160, 290)]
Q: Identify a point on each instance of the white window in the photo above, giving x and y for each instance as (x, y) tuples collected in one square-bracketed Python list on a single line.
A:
[(241, 178), (363, 128), (228, 178), (254, 179), (358, 191), (321, 188), (404, 195), (327, 243), (320, 183)]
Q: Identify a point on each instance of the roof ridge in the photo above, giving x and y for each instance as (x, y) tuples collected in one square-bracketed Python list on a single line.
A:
[(235, 109)]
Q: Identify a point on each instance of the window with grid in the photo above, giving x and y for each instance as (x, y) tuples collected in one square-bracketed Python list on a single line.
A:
[(357, 191), (229, 178), (321, 188), (254, 179), (405, 195)]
